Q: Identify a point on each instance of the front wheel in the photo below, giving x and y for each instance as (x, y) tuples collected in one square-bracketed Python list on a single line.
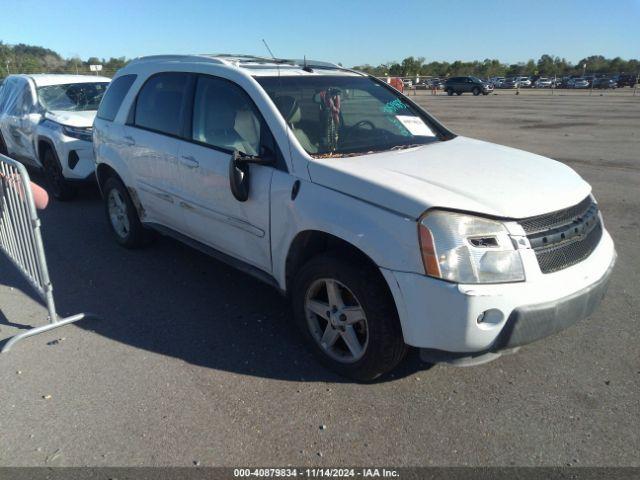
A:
[(476, 91), (348, 317), (449, 92), (123, 217), (60, 188), (458, 93)]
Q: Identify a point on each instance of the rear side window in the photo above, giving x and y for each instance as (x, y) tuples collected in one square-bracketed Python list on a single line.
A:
[(114, 96), (160, 103)]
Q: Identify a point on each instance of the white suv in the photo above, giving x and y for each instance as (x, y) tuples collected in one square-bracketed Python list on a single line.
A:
[(45, 122), (386, 229)]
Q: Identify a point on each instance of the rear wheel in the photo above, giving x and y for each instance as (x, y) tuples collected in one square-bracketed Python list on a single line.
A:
[(123, 217), (60, 188), (449, 92), (458, 93), (348, 317)]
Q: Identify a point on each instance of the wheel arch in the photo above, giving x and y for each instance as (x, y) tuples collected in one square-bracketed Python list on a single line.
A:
[(308, 244), (43, 144)]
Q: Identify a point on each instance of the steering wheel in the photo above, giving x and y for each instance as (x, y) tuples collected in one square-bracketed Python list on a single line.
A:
[(362, 123)]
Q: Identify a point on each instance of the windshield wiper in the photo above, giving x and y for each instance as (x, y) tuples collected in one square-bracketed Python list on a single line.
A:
[(407, 145)]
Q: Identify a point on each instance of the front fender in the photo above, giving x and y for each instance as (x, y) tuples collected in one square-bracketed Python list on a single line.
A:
[(109, 150), (387, 238)]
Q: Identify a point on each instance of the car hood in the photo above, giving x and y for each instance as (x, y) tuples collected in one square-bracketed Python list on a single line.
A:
[(72, 119), (461, 174)]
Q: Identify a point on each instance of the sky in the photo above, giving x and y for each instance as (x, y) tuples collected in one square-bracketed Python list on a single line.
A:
[(353, 32)]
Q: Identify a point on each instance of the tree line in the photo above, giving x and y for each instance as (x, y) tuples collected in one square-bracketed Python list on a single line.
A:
[(546, 65), (22, 58)]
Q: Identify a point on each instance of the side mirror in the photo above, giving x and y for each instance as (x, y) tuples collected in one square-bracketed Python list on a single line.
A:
[(239, 172), (239, 177)]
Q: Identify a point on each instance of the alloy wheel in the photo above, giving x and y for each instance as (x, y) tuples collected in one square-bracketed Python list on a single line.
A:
[(118, 213), (336, 320)]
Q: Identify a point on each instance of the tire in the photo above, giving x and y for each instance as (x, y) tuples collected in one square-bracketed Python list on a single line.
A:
[(458, 93), (60, 188), (378, 334), (122, 216), (476, 91), (449, 92)]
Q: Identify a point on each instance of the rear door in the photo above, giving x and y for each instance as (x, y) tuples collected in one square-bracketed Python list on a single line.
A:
[(151, 140), (224, 119)]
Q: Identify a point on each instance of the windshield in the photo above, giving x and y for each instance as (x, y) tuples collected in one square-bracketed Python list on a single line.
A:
[(340, 115), (74, 97)]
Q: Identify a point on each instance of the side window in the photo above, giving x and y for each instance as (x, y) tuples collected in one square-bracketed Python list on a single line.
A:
[(27, 101), (21, 104), (114, 96), (225, 117), (161, 101)]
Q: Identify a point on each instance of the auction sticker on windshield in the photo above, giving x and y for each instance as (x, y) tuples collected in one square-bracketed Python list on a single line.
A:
[(415, 125)]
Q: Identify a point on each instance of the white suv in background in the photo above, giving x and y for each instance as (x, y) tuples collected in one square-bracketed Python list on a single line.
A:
[(384, 228), (46, 122)]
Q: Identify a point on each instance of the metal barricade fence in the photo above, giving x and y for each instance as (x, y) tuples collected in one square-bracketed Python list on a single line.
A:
[(21, 242)]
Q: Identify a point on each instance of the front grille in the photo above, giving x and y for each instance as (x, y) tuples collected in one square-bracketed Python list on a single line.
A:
[(566, 237), (563, 255), (547, 221)]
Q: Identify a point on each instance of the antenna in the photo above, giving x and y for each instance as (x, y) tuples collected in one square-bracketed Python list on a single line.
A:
[(267, 45), (305, 67)]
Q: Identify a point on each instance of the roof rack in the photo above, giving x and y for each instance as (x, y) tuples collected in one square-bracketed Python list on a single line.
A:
[(175, 58), (239, 60)]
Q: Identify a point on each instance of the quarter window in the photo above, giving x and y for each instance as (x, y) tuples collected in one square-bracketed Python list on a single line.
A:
[(114, 96), (225, 117), (160, 103)]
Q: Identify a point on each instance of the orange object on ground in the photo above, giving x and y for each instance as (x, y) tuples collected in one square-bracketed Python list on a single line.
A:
[(396, 83)]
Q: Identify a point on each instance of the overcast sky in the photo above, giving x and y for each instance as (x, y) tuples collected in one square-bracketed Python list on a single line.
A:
[(351, 32)]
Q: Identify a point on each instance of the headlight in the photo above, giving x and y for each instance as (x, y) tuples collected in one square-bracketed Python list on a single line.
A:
[(467, 249), (81, 133)]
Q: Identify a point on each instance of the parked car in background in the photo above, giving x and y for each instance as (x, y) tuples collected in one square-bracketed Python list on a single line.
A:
[(408, 83), (543, 82), (496, 81), (578, 83), (455, 246), (524, 82), (460, 85), (626, 80), (46, 122), (604, 83), (509, 82), (436, 83), (422, 84)]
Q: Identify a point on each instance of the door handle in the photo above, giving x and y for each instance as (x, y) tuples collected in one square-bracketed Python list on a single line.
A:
[(130, 141), (189, 162)]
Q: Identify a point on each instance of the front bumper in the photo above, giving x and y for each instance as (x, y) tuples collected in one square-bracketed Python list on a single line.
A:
[(533, 322), (482, 318)]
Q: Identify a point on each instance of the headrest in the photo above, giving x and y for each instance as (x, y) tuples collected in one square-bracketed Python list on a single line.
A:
[(289, 108)]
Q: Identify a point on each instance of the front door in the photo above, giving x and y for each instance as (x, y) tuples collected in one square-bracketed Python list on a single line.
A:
[(225, 119)]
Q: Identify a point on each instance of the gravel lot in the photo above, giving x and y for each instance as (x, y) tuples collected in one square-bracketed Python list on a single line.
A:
[(194, 362)]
